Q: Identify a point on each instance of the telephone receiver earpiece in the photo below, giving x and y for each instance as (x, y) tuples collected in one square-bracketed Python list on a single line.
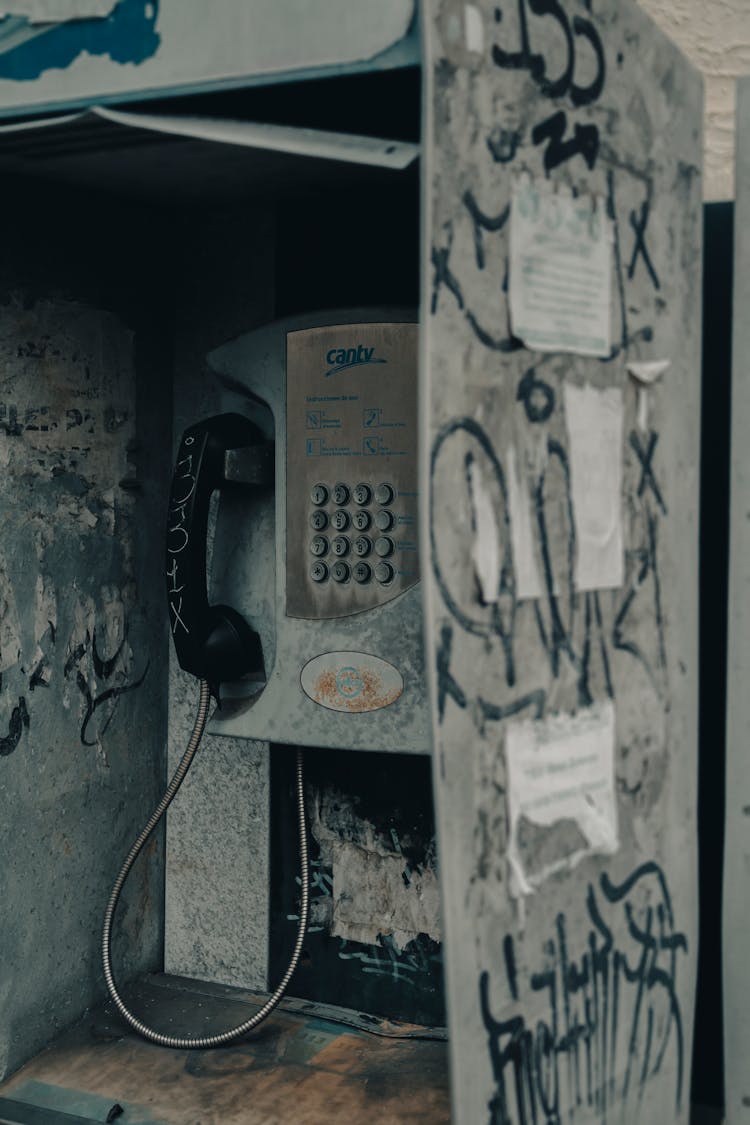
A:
[(214, 643)]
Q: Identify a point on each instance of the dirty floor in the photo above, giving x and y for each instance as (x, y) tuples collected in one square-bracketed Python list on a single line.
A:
[(307, 1065)]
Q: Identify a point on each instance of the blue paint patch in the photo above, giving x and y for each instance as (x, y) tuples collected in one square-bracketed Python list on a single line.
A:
[(127, 35)]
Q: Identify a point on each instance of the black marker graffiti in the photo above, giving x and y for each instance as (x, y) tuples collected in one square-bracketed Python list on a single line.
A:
[(585, 138), (584, 142), (646, 461), (638, 223), (570, 625), (538, 397), (647, 556), (618, 992), (626, 336), (482, 222), (447, 685), (19, 720), (499, 619), (444, 276), (503, 144), (104, 669)]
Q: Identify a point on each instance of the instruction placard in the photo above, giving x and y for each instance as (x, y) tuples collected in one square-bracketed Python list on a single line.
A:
[(561, 791), (560, 269)]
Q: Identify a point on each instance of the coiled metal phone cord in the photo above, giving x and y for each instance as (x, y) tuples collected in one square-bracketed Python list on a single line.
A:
[(186, 1042)]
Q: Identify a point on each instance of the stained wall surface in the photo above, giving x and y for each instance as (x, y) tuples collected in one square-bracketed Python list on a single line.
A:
[(83, 386), (564, 648)]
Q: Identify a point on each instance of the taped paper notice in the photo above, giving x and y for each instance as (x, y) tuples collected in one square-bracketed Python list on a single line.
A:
[(560, 270), (528, 579), (594, 421), (561, 792), (58, 11)]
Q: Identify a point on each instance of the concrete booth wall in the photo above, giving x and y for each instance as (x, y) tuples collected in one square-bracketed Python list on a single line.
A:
[(113, 292), (84, 439)]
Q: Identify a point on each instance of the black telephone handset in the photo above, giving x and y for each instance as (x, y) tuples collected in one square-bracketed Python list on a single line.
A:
[(213, 642)]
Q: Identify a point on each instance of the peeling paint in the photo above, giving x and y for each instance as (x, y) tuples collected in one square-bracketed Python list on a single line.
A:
[(10, 631), (375, 892)]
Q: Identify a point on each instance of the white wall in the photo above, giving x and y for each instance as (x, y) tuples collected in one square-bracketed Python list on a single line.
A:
[(715, 35)]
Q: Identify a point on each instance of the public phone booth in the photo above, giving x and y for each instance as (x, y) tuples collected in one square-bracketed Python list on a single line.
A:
[(381, 325)]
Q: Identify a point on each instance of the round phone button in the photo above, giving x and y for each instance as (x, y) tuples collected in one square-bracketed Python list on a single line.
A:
[(362, 572), (361, 520), (318, 520), (362, 546), (319, 545), (384, 521), (319, 572), (384, 573), (340, 494), (383, 494), (362, 494), (384, 546), (318, 494), (340, 546), (340, 572), (340, 520)]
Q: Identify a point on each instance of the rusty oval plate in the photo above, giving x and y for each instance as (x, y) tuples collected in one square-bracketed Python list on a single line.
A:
[(351, 681)]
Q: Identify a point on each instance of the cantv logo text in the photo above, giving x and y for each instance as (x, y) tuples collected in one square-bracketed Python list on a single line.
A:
[(340, 359)]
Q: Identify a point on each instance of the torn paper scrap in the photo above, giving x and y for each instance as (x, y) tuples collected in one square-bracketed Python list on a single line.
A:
[(485, 551), (528, 578), (560, 270), (58, 11), (594, 419), (474, 29), (646, 372), (561, 796)]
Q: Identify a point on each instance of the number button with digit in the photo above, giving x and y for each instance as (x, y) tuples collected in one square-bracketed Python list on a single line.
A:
[(340, 572), (340, 546), (362, 573), (319, 546), (319, 494), (362, 494), (319, 572), (340, 494), (318, 520), (340, 520), (362, 546), (361, 520)]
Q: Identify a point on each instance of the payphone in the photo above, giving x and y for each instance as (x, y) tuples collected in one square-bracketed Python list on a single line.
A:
[(309, 629)]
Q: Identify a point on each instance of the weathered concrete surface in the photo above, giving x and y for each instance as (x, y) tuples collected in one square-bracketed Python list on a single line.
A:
[(736, 921), (81, 705), (576, 1000)]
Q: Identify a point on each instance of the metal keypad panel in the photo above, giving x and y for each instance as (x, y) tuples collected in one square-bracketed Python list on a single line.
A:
[(359, 545), (351, 468)]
